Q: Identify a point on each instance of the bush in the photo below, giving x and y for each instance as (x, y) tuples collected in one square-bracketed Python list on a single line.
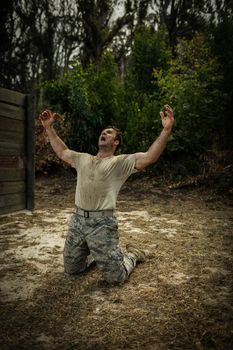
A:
[(90, 100), (150, 51), (191, 86), (106, 90), (69, 96)]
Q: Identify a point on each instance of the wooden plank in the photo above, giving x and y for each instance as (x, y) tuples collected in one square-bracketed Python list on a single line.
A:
[(12, 187), (30, 152), (11, 111), (12, 137), (11, 149), (17, 129), (12, 199), (12, 125), (12, 208), (12, 97), (13, 162), (12, 175)]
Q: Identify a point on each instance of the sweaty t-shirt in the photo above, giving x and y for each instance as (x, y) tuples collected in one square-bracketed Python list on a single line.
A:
[(99, 179)]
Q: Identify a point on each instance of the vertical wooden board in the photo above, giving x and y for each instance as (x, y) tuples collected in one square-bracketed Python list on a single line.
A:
[(30, 174)]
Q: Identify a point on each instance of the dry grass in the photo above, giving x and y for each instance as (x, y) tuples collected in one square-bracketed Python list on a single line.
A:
[(180, 298)]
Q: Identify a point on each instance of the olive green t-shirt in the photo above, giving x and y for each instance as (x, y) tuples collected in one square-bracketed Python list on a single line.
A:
[(99, 179)]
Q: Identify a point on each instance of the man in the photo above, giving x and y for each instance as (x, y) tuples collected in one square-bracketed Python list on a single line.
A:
[(93, 229)]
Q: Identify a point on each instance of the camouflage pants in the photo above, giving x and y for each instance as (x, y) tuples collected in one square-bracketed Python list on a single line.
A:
[(98, 238)]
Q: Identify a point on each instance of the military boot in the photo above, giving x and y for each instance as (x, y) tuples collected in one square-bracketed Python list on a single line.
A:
[(139, 254)]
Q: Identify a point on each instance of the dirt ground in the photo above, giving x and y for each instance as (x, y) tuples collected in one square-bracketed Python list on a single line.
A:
[(180, 298)]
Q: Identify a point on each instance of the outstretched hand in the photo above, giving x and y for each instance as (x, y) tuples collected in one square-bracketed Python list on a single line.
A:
[(167, 118), (47, 118)]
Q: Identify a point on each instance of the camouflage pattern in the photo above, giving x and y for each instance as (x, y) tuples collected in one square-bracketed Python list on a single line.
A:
[(97, 238)]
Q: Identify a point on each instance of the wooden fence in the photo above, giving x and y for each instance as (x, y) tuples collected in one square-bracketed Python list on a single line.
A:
[(16, 151)]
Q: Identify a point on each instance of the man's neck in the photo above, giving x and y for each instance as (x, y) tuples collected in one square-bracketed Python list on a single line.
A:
[(104, 153), (101, 154)]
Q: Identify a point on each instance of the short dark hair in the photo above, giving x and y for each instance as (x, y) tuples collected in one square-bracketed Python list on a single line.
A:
[(119, 136)]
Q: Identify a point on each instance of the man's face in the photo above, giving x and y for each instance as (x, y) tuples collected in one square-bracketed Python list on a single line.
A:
[(108, 138)]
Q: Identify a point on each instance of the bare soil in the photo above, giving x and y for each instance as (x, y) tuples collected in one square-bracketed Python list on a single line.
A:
[(180, 298)]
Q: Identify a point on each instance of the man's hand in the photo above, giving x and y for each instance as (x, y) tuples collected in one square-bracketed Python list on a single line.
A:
[(143, 159), (167, 118), (47, 118)]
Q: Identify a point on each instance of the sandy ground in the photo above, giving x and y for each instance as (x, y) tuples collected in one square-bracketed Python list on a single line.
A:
[(180, 298)]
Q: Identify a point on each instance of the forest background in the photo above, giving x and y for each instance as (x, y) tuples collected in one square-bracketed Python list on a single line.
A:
[(102, 62)]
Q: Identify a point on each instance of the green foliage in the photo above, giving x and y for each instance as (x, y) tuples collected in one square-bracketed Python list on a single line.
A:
[(191, 86), (69, 95), (143, 125), (97, 97), (105, 89), (149, 51), (143, 122), (90, 99), (222, 45)]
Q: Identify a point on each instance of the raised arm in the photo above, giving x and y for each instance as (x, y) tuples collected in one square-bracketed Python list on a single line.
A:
[(155, 150), (59, 147)]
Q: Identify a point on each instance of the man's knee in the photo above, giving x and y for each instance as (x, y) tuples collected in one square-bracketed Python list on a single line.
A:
[(73, 267), (115, 277)]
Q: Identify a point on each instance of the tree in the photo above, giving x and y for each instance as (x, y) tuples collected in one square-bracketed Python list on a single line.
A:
[(221, 29), (149, 50), (192, 86), (42, 37), (182, 18), (103, 28), (106, 90), (69, 95), (39, 40)]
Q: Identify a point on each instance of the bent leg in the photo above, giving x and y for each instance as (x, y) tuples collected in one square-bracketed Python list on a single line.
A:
[(103, 244), (76, 250)]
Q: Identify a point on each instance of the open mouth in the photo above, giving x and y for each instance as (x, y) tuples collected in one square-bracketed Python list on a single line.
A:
[(102, 138)]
